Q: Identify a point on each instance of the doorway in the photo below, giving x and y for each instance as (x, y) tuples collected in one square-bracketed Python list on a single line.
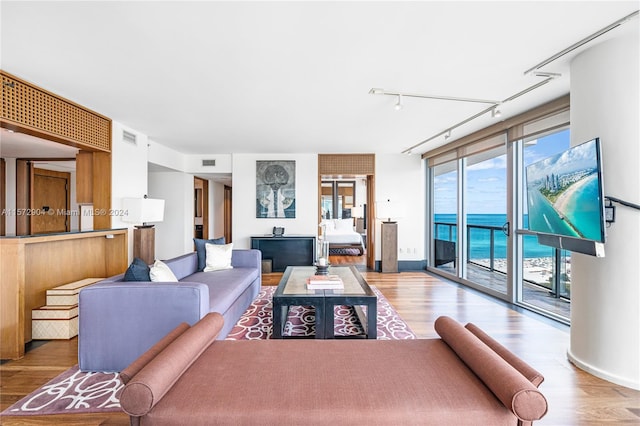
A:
[(50, 201), (201, 208), (351, 167)]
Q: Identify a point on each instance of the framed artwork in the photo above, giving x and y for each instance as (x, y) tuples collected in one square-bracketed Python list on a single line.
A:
[(275, 189)]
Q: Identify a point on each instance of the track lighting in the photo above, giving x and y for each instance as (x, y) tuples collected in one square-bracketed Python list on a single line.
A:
[(398, 105), (496, 113), (448, 134)]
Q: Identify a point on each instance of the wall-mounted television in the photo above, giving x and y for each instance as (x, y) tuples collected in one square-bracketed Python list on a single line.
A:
[(565, 197)]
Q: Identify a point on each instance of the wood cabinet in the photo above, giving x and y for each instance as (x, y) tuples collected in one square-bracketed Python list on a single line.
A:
[(289, 250)]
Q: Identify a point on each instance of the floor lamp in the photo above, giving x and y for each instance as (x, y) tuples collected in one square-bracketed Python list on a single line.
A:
[(143, 210), (385, 211)]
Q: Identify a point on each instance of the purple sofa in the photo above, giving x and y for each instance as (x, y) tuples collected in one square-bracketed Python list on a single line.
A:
[(119, 321)]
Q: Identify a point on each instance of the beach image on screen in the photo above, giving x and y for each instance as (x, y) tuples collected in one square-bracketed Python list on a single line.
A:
[(564, 193)]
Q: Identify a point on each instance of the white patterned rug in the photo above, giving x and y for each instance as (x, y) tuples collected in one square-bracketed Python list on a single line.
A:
[(76, 392)]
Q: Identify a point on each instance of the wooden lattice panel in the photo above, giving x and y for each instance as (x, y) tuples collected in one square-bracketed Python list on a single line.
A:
[(351, 164), (26, 105)]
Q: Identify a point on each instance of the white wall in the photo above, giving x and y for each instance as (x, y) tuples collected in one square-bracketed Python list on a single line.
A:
[(401, 179), (245, 224), (605, 292), (128, 174), (174, 235)]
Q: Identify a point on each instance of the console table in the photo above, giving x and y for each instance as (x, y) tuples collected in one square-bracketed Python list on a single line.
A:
[(286, 250)]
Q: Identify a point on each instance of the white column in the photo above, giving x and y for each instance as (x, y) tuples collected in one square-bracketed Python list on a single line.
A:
[(605, 292)]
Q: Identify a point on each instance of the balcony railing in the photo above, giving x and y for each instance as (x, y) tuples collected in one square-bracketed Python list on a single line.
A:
[(558, 285)]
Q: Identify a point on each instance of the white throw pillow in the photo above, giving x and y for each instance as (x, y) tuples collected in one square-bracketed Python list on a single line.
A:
[(344, 224), (160, 272), (218, 257)]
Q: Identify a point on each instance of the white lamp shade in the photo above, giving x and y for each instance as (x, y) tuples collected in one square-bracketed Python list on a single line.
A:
[(388, 210), (357, 211), (143, 210)]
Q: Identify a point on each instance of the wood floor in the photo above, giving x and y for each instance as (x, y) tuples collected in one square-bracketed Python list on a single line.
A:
[(575, 397)]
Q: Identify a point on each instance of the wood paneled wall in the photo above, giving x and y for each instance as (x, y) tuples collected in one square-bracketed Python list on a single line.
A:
[(30, 109), (31, 265)]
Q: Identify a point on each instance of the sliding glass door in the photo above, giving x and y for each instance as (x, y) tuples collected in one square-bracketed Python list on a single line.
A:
[(445, 214), (544, 272), (485, 214)]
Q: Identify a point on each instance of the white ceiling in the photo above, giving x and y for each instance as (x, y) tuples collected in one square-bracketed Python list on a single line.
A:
[(260, 77)]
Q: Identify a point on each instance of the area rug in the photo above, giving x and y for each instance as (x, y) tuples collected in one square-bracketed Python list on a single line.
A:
[(256, 321), (345, 251), (72, 392), (76, 392)]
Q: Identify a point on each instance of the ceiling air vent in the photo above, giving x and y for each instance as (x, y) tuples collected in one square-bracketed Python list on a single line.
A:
[(129, 137), (209, 162)]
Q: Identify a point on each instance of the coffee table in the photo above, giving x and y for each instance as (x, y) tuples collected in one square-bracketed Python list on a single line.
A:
[(292, 291)]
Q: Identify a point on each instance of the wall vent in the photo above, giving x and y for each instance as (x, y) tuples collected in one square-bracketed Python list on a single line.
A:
[(209, 163), (129, 137)]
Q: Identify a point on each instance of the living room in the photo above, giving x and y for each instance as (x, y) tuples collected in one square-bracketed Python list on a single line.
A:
[(162, 163)]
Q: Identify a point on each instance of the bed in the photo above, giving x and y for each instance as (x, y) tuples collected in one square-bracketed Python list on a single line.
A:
[(340, 234)]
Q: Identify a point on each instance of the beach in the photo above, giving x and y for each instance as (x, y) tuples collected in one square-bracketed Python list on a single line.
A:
[(538, 270), (561, 204)]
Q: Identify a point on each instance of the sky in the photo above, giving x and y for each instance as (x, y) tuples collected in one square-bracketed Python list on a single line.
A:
[(486, 189)]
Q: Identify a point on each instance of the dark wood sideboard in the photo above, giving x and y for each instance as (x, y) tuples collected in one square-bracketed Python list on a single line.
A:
[(286, 250)]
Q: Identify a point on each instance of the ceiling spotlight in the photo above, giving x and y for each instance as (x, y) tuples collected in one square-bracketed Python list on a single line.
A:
[(448, 134), (496, 113), (398, 105)]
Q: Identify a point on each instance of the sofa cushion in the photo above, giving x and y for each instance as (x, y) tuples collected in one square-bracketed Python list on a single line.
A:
[(225, 286), (134, 368), (137, 271), (200, 249), (158, 376), (160, 272), (218, 257), (514, 390), (525, 369)]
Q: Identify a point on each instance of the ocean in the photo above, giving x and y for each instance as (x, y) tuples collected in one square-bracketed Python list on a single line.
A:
[(480, 239)]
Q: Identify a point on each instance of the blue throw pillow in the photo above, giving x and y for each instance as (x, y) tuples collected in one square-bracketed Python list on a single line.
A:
[(201, 250), (137, 271)]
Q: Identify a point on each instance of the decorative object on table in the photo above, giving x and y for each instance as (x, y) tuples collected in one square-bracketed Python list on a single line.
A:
[(143, 211), (275, 189), (278, 231), (322, 264), (325, 282)]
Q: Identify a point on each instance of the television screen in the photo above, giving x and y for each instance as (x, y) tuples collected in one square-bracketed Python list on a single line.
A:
[(565, 193)]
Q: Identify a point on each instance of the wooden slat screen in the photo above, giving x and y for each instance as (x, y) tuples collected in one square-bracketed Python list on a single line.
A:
[(35, 111), (346, 164)]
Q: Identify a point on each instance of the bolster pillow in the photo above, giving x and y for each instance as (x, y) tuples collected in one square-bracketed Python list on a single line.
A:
[(148, 387), (525, 369), (512, 389), (127, 374)]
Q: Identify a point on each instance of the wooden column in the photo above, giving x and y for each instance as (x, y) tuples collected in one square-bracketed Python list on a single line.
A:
[(144, 244), (389, 247)]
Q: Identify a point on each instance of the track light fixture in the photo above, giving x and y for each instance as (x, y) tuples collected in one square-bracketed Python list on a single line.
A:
[(398, 105), (447, 135), (495, 112)]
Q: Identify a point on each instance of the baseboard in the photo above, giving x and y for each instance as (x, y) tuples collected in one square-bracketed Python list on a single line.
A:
[(622, 381), (407, 265)]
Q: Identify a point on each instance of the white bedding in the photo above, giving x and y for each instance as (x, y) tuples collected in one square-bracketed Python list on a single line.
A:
[(341, 232)]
